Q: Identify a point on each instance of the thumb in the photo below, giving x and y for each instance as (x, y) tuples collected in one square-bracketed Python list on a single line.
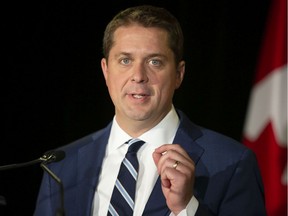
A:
[(156, 157)]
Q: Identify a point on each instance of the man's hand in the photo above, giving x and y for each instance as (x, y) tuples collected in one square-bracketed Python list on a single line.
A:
[(177, 170)]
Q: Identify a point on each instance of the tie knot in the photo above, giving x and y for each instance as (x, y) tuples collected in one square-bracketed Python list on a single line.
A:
[(134, 145)]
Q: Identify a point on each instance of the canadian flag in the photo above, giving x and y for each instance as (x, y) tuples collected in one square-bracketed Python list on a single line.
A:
[(265, 129)]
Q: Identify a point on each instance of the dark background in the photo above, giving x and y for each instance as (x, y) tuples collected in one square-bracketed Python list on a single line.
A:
[(54, 91)]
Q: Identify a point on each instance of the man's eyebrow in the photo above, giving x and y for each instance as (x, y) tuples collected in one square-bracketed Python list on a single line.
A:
[(152, 55), (158, 55), (117, 55)]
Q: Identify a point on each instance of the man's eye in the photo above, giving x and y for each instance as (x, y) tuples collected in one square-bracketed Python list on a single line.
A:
[(155, 62), (125, 61)]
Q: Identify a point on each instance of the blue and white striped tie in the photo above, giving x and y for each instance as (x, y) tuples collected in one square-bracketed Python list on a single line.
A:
[(122, 200)]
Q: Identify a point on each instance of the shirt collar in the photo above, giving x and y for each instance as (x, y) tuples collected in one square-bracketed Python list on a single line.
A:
[(117, 136), (164, 132)]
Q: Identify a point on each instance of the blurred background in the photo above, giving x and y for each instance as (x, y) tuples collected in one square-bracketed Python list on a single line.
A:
[(54, 91)]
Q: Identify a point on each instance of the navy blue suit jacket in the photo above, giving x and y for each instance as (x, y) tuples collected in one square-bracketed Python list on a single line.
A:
[(227, 182)]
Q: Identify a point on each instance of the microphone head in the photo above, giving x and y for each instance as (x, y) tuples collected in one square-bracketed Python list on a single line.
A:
[(53, 156), (58, 155)]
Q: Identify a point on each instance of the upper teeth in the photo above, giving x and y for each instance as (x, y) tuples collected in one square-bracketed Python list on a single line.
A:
[(137, 96)]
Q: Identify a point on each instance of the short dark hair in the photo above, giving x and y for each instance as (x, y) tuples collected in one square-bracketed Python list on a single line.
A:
[(147, 16)]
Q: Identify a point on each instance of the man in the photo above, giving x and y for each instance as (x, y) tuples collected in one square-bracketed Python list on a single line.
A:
[(184, 169)]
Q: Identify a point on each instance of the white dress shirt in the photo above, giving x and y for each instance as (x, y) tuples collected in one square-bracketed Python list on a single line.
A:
[(163, 133)]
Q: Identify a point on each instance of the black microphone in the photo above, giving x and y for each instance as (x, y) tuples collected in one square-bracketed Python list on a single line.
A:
[(48, 157), (52, 156)]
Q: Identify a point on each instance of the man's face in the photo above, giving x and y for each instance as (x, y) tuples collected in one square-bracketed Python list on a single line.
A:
[(141, 75)]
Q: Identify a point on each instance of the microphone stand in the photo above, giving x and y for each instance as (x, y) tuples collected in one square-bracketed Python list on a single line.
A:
[(60, 210), (13, 166), (48, 157)]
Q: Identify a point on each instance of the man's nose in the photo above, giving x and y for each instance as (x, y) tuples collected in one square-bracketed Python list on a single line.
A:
[(139, 74)]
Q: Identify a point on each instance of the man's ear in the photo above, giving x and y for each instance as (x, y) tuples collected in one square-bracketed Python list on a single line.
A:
[(104, 66), (180, 74)]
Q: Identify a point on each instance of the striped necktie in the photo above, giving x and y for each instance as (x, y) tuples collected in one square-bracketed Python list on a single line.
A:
[(122, 200)]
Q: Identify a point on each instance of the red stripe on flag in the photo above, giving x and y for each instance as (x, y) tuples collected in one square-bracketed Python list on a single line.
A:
[(274, 48)]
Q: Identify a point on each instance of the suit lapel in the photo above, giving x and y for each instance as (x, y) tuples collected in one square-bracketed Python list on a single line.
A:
[(90, 158), (156, 204)]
